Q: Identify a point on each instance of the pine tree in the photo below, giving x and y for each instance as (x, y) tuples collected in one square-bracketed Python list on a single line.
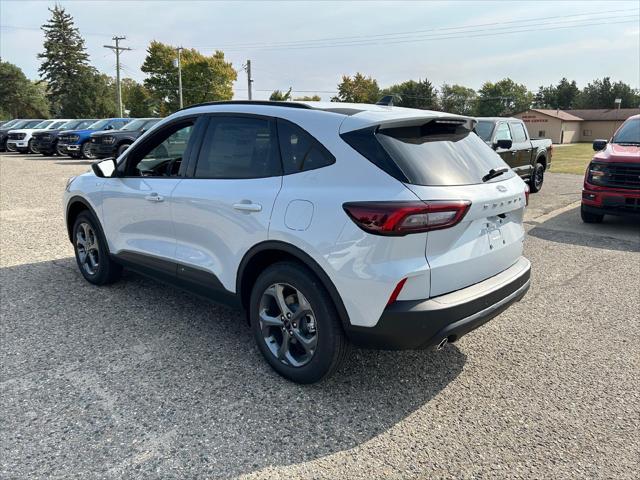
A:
[(65, 62)]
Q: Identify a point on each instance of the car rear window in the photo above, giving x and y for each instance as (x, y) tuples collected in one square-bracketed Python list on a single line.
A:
[(435, 153)]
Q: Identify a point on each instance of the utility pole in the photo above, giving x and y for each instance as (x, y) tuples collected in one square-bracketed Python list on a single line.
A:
[(247, 68), (180, 75), (117, 49)]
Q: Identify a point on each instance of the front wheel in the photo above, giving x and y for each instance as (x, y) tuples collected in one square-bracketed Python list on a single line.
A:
[(32, 148), (122, 148), (92, 255), (85, 151), (295, 324), (588, 217), (537, 178)]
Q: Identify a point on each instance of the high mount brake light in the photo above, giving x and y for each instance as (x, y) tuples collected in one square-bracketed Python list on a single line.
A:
[(402, 218)]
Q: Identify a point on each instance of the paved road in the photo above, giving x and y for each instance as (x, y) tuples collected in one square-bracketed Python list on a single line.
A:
[(140, 381)]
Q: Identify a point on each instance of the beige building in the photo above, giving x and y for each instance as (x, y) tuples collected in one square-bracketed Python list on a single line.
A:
[(571, 126)]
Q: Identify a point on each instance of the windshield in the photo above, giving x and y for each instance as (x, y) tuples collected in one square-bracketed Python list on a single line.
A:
[(135, 124), (10, 124), (99, 124), (31, 124), (56, 125), (44, 124), (628, 133), (484, 130)]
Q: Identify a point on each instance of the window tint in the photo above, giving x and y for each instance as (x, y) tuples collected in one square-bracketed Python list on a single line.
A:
[(502, 132), (238, 147), (162, 156), (484, 130), (299, 150), (430, 154), (519, 135)]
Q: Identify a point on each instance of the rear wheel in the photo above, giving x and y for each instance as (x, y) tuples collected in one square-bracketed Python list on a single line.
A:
[(85, 151), (537, 178), (295, 324), (92, 255), (588, 217)]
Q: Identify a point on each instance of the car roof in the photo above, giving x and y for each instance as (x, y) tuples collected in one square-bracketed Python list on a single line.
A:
[(354, 116), (498, 119)]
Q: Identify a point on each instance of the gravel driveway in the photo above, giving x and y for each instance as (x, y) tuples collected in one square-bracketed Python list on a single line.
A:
[(137, 380)]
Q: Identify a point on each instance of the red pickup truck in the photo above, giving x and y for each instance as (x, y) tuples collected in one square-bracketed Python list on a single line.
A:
[(612, 180)]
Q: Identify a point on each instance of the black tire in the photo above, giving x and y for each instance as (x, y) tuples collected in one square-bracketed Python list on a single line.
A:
[(331, 347), (537, 178), (31, 148), (106, 270), (122, 148), (85, 151), (588, 217)]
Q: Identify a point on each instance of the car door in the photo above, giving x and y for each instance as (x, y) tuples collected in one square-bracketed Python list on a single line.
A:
[(136, 205), (503, 133), (223, 207), (522, 148)]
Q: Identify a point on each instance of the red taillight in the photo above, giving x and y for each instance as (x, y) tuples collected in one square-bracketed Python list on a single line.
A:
[(396, 291), (401, 218), (527, 191)]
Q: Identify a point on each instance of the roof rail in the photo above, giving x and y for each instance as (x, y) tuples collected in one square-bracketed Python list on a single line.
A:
[(251, 102)]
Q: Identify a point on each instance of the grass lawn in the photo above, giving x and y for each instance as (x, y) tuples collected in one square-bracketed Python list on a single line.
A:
[(572, 158)]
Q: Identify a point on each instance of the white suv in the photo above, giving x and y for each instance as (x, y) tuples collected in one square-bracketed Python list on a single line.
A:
[(329, 224)]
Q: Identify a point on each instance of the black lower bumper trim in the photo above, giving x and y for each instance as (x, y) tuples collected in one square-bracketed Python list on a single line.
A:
[(423, 324), (621, 210)]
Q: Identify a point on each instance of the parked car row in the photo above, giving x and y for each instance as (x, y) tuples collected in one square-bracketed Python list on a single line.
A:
[(76, 138)]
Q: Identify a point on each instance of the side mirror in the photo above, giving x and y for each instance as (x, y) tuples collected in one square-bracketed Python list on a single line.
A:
[(599, 145), (505, 144), (104, 168)]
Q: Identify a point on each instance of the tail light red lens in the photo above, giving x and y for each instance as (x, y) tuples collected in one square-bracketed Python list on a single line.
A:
[(527, 191), (396, 291), (402, 218)]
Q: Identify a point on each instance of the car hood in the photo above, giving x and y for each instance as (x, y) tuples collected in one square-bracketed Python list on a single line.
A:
[(619, 154), (116, 133), (77, 132)]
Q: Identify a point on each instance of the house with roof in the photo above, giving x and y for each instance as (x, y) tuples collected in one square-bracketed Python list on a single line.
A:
[(571, 126)]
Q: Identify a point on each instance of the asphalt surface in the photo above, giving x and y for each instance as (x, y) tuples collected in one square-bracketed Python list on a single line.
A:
[(137, 380)]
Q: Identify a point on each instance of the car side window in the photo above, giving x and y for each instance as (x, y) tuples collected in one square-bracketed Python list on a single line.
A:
[(519, 134), (502, 132), (162, 155), (239, 147), (300, 151)]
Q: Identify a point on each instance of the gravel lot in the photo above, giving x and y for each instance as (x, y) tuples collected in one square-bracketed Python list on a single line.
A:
[(140, 381)]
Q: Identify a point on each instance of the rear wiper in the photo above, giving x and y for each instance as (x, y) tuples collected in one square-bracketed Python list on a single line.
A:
[(495, 172)]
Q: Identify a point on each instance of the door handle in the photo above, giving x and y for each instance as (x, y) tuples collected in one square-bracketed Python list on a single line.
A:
[(154, 197), (248, 207)]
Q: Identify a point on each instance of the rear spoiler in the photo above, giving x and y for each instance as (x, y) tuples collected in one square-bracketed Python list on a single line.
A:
[(400, 118)]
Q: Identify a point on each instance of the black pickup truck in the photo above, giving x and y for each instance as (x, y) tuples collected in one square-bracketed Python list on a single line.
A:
[(113, 142), (510, 139)]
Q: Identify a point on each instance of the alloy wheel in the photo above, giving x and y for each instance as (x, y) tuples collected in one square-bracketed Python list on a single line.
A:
[(86, 151), (87, 248), (288, 324)]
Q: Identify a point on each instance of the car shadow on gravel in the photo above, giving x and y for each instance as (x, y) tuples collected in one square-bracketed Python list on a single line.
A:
[(138, 379), (614, 233)]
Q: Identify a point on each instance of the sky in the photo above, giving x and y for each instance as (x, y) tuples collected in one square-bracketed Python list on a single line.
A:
[(309, 45)]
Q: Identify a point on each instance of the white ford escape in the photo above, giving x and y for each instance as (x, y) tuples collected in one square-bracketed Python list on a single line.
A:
[(329, 224)]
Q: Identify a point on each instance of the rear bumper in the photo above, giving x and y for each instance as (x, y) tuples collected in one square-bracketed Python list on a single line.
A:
[(418, 324)]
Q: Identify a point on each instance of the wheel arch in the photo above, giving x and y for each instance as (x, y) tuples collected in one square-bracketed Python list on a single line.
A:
[(75, 207), (267, 253), (542, 158)]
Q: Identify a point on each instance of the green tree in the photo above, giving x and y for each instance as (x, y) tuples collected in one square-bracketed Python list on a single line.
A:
[(359, 89), (204, 78), (503, 98), (308, 98), (19, 96), (563, 95), (457, 99), (602, 94), (420, 94), (136, 99), (65, 63), (278, 96)]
